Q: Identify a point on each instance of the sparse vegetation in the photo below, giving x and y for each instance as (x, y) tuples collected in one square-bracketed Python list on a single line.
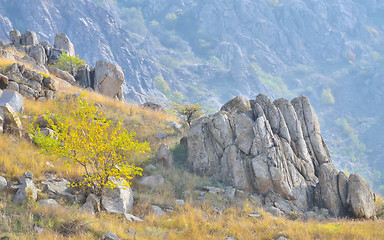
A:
[(189, 112), (85, 137), (68, 63)]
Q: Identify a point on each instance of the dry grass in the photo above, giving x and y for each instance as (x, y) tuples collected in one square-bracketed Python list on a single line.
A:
[(5, 63), (15, 52)]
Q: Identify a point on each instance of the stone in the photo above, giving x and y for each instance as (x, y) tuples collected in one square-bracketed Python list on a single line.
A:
[(49, 83), (3, 82), (15, 37), (213, 190), (109, 79), (179, 202), (111, 236), (360, 197), (48, 202), (160, 135), (12, 123), (85, 76), (152, 181), (14, 99), (153, 106), (37, 52), (184, 142), (164, 155), (88, 207), (3, 183), (176, 126), (132, 218), (26, 190), (38, 229), (29, 38), (13, 86), (238, 104), (28, 92), (275, 211), (118, 200), (157, 211), (92, 204), (62, 42), (56, 188), (62, 75), (230, 192)]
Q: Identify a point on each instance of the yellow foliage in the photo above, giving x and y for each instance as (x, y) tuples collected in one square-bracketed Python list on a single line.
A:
[(86, 138)]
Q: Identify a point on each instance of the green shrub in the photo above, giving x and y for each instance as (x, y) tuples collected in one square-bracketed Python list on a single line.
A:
[(68, 63)]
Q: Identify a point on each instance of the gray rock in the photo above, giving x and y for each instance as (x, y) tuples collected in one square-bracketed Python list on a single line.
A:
[(238, 104), (26, 190), (132, 218), (213, 190), (15, 37), (14, 99), (111, 236), (56, 188), (119, 200), (157, 210), (109, 79), (62, 75), (164, 155), (38, 229), (152, 181), (37, 52), (48, 202), (13, 86), (176, 126), (3, 183), (29, 38), (179, 202), (360, 197), (85, 77), (153, 106), (275, 211), (62, 42), (150, 167), (160, 135), (12, 123)]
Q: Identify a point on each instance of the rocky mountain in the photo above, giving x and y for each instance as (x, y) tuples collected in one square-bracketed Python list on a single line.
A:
[(210, 51)]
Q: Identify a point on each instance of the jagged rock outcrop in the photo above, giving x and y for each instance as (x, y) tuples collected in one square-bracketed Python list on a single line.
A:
[(118, 200), (275, 149)]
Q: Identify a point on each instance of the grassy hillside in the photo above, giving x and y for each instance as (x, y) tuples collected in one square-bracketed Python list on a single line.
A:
[(210, 218)]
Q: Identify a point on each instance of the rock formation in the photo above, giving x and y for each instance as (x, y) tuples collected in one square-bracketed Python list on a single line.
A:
[(275, 149)]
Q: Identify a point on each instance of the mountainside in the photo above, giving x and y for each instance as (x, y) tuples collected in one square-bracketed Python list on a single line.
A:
[(209, 51)]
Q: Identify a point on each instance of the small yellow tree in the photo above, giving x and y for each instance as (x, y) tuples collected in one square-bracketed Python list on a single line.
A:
[(86, 137), (189, 112)]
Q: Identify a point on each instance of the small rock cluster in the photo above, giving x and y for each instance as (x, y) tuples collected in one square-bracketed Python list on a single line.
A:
[(275, 149), (106, 78)]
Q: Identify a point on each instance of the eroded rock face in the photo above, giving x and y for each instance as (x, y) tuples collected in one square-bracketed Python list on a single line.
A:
[(63, 42), (274, 149)]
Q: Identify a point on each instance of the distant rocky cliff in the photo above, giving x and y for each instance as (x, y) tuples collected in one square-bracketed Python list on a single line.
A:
[(275, 149)]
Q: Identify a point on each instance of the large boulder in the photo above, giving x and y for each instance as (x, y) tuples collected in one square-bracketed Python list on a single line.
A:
[(109, 79), (15, 37), (62, 42), (12, 123), (360, 197), (37, 52), (118, 200), (14, 99), (58, 188), (164, 155), (3, 82), (26, 190), (85, 76), (29, 38), (274, 149)]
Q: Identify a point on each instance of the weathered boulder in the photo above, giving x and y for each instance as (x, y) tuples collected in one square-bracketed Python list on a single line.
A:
[(62, 75), (15, 37), (26, 190), (274, 149), (92, 204), (12, 123), (29, 38), (62, 42), (109, 79), (3, 183), (111, 236), (152, 181), (132, 218), (14, 99), (119, 200), (85, 76), (58, 188), (37, 52), (153, 106), (360, 197), (157, 211), (164, 155), (49, 203)]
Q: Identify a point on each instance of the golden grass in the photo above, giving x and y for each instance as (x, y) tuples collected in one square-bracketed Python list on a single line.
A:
[(5, 63), (16, 52)]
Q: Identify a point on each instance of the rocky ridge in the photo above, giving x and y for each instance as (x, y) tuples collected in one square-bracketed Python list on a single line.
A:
[(275, 149)]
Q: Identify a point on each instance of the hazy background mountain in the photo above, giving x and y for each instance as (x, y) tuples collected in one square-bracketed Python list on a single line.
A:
[(209, 51)]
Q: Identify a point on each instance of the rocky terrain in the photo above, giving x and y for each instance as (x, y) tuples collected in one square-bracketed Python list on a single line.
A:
[(275, 149)]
